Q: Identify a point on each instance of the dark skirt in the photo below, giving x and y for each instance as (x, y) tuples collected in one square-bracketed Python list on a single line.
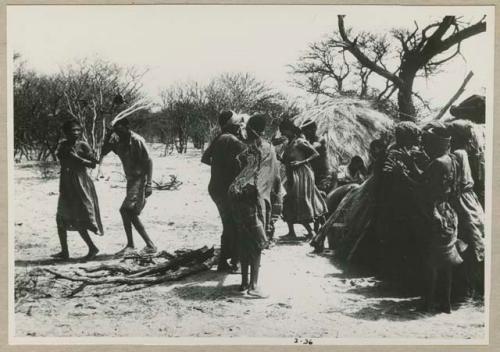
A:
[(78, 206), (303, 202), (250, 221)]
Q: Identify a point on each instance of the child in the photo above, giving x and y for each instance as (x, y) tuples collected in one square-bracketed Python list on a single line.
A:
[(254, 192)]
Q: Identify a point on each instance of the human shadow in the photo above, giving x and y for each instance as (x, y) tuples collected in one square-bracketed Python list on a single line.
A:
[(191, 289), (54, 261), (385, 299), (299, 241), (390, 309)]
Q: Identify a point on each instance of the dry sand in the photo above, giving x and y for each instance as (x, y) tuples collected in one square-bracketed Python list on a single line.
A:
[(309, 295)]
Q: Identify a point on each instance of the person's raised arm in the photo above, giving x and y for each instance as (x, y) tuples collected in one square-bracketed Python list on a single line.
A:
[(107, 144)]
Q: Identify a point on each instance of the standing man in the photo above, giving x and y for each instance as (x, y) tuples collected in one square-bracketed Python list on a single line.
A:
[(221, 156), (138, 167)]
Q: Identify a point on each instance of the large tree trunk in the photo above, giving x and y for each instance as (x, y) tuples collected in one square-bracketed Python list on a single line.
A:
[(405, 92)]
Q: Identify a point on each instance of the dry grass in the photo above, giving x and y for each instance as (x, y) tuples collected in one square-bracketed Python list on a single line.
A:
[(349, 125)]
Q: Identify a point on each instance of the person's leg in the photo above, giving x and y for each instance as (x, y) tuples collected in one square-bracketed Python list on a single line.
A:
[(244, 275), (127, 226), (446, 274), (430, 288), (254, 272), (136, 221), (254, 288), (291, 231), (93, 250), (310, 232), (63, 239), (225, 240), (234, 247)]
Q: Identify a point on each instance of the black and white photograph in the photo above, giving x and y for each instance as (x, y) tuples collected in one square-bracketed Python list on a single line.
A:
[(250, 174)]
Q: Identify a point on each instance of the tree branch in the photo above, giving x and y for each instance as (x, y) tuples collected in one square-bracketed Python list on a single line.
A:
[(362, 58)]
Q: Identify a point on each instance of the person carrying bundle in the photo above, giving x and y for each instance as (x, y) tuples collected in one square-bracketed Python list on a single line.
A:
[(435, 191), (397, 209), (254, 193)]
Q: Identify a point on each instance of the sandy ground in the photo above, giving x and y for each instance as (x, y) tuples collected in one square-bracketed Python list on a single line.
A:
[(310, 296)]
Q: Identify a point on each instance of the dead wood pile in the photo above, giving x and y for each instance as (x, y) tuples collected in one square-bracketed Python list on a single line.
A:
[(130, 273)]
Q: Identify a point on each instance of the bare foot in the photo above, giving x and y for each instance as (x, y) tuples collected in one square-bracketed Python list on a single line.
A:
[(148, 250), (289, 236), (60, 255), (257, 293), (242, 288), (318, 247), (92, 254), (124, 251)]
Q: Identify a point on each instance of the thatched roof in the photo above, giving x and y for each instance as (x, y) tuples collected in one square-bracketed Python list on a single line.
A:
[(349, 125)]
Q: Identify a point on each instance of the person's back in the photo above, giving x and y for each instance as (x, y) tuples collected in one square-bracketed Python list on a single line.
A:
[(133, 153), (224, 166)]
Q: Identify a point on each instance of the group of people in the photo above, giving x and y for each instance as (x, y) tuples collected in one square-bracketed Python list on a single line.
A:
[(78, 204), (416, 218), (424, 211), (425, 216)]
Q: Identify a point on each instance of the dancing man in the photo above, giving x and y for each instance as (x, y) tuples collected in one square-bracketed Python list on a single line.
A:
[(138, 167)]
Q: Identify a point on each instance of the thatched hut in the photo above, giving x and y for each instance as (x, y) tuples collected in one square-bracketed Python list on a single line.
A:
[(349, 125)]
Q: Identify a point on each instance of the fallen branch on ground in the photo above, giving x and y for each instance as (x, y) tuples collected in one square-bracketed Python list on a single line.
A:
[(171, 185), (176, 267)]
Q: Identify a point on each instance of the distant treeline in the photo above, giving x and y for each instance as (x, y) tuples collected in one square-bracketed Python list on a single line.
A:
[(94, 91)]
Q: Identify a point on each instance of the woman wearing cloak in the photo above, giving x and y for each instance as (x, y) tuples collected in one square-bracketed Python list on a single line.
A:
[(77, 207), (467, 205), (254, 194)]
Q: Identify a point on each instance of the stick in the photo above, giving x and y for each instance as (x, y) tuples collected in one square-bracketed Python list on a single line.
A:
[(109, 267), (199, 255), (454, 97), (172, 276)]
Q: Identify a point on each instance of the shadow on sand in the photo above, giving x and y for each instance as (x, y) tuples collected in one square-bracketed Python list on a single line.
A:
[(191, 289), (384, 299)]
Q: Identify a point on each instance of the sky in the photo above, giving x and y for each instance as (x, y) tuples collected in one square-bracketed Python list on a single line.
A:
[(191, 42)]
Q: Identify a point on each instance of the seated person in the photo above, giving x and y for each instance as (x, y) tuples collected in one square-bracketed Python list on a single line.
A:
[(355, 172)]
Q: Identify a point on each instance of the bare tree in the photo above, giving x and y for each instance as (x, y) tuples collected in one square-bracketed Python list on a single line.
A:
[(423, 49), (95, 91), (37, 113), (323, 69), (183, 105), (190, 110)]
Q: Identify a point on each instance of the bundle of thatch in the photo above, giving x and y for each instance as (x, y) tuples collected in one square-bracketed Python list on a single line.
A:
[(349, 125)]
